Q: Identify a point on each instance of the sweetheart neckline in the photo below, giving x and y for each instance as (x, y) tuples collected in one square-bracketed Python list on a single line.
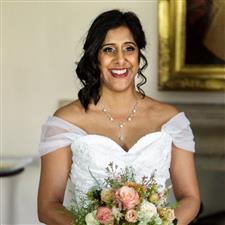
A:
[(121, 148)]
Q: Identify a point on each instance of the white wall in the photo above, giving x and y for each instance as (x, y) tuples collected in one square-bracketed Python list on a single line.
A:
[(41, 40)]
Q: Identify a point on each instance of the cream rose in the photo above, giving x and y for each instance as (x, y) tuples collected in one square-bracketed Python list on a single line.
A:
[(131, 216), (170, 214), (167, 213), (107, 195), (154, 198)]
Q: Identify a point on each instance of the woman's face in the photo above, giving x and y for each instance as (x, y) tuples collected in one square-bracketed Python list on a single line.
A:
[(118, 60)]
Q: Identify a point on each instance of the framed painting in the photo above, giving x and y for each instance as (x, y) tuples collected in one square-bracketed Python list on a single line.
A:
[(191, 45)]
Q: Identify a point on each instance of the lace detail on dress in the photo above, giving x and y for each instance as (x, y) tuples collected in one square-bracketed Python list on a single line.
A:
[(150, 155)]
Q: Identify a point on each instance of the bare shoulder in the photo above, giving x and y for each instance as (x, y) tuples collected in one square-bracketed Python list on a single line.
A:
[(70, 112), (163, 111)]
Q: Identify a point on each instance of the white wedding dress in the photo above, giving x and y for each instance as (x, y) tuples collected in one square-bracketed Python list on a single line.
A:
[(150, 155)]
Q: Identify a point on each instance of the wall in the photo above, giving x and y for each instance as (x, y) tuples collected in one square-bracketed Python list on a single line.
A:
[(40, 41)]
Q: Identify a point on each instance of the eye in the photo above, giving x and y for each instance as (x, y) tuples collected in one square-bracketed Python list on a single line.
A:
[(130, 48), (108, 50)]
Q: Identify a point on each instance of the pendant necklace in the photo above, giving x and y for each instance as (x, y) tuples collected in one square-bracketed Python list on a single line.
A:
[(120, 125)]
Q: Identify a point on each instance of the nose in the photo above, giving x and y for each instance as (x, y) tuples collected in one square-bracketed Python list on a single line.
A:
[(120, 58)]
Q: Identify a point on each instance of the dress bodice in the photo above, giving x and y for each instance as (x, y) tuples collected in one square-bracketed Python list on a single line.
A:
[(92, 153)]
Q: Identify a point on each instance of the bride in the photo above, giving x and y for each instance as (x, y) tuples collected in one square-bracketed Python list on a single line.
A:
[(113, 121)]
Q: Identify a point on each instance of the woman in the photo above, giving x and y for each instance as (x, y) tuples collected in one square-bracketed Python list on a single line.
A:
[(112, 121)]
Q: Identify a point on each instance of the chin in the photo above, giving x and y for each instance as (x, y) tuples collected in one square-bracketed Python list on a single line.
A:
[(121, 88)]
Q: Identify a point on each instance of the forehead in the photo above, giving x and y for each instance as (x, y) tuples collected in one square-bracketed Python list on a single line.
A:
[(119, 34)]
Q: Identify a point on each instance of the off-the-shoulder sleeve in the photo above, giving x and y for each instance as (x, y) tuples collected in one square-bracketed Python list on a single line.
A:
[(57, 133), (179, 129)]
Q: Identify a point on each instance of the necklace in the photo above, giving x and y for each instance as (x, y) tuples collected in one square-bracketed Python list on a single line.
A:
[(120, 124)]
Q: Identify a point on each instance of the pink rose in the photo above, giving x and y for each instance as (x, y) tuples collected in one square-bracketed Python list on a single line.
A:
[(131, 216), (104, 215), (128, 197)]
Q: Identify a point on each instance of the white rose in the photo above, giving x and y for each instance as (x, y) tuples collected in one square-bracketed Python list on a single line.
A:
[(90, 219), (142, 223), (158, 220), (147, 210), (116, 213)]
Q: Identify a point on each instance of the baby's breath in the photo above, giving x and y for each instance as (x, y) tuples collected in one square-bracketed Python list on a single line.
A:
[(104, 195)]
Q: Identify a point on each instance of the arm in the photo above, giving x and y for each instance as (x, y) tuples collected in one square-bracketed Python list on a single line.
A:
[(185, 185), (55, 169)]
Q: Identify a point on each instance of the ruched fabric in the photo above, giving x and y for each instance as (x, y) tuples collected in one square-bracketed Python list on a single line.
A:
[(58, 133)]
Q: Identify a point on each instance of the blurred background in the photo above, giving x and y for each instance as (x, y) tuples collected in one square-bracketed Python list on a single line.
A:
[(40, 43)]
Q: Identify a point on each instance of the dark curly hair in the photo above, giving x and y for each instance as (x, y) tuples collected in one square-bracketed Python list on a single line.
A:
[(88, 67)]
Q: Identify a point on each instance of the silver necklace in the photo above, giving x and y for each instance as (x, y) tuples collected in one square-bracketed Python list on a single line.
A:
[(120, 125)]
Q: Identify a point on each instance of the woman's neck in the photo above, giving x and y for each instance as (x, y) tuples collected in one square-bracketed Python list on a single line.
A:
[(119, 100)]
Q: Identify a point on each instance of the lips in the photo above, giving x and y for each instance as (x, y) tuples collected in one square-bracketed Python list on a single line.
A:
[(119, 72)]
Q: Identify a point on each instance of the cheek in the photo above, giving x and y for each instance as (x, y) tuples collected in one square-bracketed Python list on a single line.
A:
[(100, 62), (136, 64), (103, 59), (101, 66), (135, 60)]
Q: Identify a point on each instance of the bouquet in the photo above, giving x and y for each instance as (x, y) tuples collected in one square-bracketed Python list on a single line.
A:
[(123, 201)]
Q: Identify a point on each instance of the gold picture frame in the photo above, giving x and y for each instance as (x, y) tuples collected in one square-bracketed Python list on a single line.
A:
[(174, 72)]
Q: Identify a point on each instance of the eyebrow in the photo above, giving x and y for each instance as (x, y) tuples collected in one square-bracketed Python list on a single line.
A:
[(127, 42)]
